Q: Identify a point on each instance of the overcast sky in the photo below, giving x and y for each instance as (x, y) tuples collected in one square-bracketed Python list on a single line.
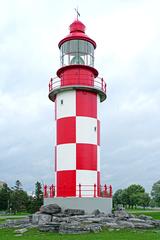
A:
[(127, 33)]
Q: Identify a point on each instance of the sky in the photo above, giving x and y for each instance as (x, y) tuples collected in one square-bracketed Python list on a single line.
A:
[(127, 33)]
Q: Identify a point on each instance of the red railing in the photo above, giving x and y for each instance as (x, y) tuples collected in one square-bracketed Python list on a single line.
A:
[(97, 83), (81, 191)]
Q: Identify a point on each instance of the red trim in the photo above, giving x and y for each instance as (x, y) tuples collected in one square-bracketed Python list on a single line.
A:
[(86, 156), (86, 104), (78, 67), (66, 130)]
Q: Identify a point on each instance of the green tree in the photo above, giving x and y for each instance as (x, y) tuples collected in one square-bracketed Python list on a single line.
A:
[(134, 191), (37, 201), (4, 197), (155, 193), (144, 200), (18, 198), (117, 197)]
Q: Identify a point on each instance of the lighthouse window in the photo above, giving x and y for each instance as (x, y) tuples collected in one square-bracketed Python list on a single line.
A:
[(77, 52), (61, 101)]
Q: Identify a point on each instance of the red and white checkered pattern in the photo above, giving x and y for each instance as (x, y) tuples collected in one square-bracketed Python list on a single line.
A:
[(77, 150)]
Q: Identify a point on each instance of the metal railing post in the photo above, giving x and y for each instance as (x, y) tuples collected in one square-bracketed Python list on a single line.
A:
[(94, 190), (80, 193)]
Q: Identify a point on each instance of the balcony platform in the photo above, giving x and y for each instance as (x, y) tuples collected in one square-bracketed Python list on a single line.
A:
[(89, 204)]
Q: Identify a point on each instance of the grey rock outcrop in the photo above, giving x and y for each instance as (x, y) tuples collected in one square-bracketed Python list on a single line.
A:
[(50, 209), (73, 212)]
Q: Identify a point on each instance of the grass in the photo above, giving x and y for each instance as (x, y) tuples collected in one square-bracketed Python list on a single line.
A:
[(152, 213), (33, 234)]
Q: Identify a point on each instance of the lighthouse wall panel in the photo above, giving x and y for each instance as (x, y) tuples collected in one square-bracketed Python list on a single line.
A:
[(98, 107), (86, 130), (66, 183), (66, 130), (87, 179), (66, 104), (86, 157), (66, 157), (86, 104)]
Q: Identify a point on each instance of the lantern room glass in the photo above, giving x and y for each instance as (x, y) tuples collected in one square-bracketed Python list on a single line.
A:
[(77, 52)]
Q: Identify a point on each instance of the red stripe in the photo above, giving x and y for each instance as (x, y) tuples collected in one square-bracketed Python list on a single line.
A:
[(86, 156), (86, 104), (66, 183), (66, 130)]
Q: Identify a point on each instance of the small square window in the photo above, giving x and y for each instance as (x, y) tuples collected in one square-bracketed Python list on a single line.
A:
[(61, 101)]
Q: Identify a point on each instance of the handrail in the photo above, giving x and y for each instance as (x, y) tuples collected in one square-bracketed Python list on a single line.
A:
[(81, 191), (80, 80)]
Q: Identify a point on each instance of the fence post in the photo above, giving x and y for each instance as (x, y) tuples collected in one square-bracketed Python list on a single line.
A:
[(45, 191), (80, 193), (110, 191), (94, 190), (51, 191), (105, 190)]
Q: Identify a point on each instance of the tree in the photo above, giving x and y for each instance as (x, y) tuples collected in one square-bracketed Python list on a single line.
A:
[(4, 197), (18, 198), (117, 197), (144, 200), (134, 191), (36, 201), (155, 193)]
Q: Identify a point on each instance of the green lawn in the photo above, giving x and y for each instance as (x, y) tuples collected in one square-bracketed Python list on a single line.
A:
[(154, 214), (8, 234)]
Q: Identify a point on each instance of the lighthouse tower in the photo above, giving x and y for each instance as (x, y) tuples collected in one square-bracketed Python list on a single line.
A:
[(77, 92)]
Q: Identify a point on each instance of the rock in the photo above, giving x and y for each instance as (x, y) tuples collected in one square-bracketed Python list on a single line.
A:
[(143, 225), (121, 214), (73, 229), (95, 228), (72, 212), (96, 212), (125, 224), (144, 217), (156, 223), (111, 225), (49, 227), (50, 209), (35, 218), (44, 218), (136, 220), (21, 231)]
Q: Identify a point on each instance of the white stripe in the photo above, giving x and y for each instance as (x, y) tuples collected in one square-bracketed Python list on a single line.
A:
[(86, 130), (66, 104), (66, 157)]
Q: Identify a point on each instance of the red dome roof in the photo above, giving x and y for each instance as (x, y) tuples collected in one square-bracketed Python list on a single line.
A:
[(77, 32)]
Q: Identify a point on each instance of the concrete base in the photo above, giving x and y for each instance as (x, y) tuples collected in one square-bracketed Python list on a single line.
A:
[(87, 204)]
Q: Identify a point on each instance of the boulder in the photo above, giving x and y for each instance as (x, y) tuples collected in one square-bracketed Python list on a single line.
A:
[(96, 212), (144, 217), (73, 229), (35, 218), (125, 224), (50, 209), (143, 225), (49, 227), (21, 231), (72, 212), (121, 214), (44, 218)]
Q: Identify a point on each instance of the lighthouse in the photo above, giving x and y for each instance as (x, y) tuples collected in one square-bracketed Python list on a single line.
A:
[(77, 93)]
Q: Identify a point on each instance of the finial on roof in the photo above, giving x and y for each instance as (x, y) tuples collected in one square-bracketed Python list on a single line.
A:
[(78, 14)]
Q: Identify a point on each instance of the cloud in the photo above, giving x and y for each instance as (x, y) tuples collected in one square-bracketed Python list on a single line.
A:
[(127, 56)]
